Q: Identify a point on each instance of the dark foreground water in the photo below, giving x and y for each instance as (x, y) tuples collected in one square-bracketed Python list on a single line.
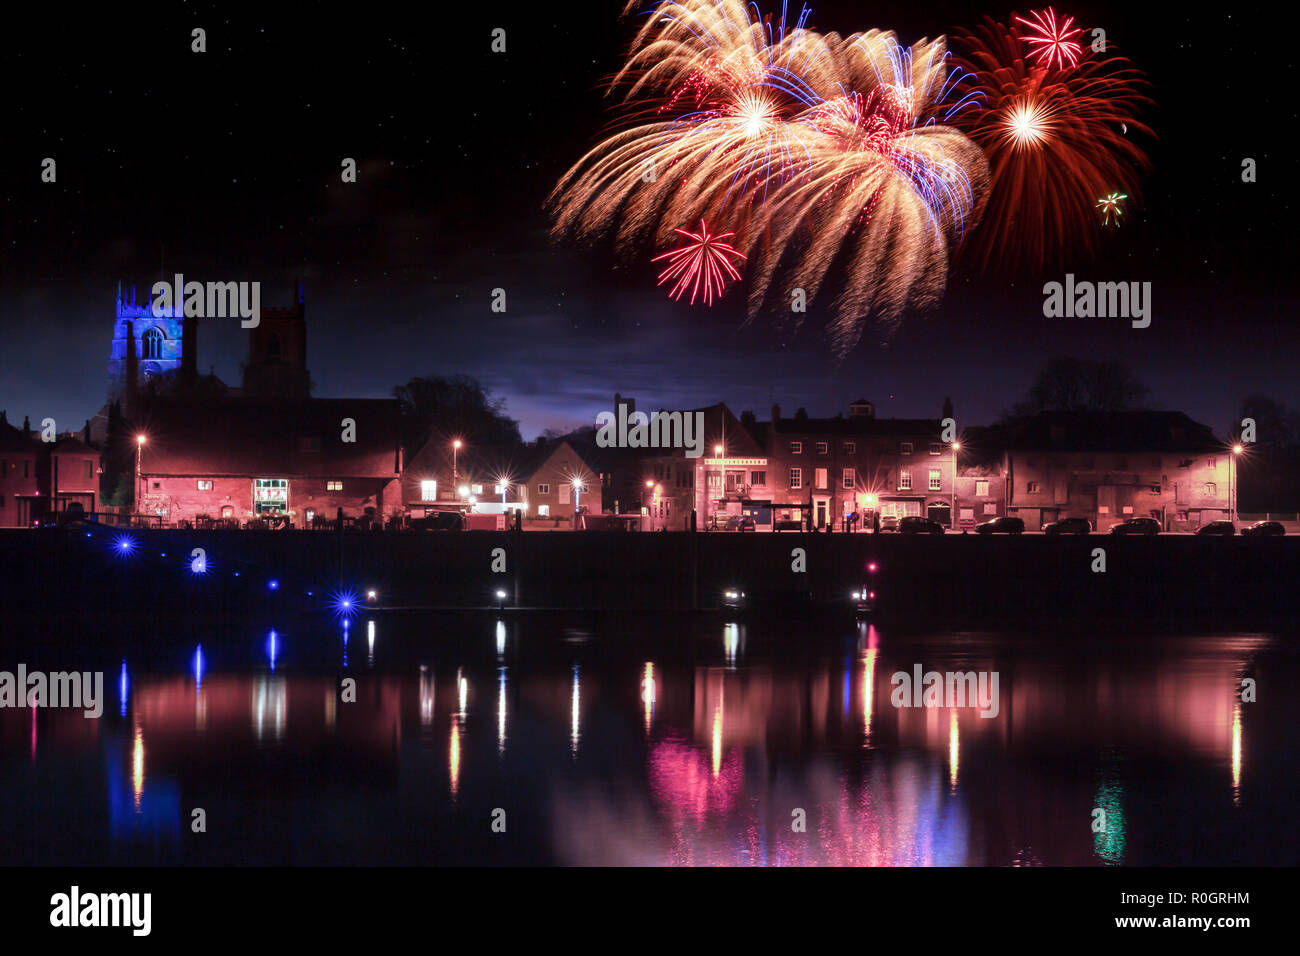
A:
[(678, 741)]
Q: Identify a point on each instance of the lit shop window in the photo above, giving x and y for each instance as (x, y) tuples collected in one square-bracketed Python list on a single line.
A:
[(205, 484), (270, 494), (428, 491), (333, 486)]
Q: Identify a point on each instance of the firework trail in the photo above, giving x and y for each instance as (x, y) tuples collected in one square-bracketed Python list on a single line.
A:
[(826, 156), (701, 265), (1057, 135)]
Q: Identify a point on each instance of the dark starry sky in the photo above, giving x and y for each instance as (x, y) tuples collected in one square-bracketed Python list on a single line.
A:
[(225, 165)]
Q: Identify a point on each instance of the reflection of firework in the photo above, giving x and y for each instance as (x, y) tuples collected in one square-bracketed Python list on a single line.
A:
[(1056, 139), (1112, 207), (1051, 43), (702, 265), (822, 152)]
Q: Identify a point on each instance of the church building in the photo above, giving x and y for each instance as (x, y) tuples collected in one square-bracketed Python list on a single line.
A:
[(206, 450)]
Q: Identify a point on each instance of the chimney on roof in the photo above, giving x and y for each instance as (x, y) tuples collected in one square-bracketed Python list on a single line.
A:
[(85, 432), (947, 408), (862, 409), (27, 426), (776, 414)]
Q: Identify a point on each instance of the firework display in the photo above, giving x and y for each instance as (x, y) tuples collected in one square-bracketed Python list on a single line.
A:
[(1059, 126), (851, 166)]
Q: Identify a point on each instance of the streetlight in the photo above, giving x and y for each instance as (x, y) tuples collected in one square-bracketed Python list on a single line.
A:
[(577, 491), (455, 475), (717, 451), (1237, 449), (952, 515), (140, 439)]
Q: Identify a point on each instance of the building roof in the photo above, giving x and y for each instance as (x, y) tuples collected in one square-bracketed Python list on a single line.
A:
[(269, 439), (14, 439), (1129, 432)]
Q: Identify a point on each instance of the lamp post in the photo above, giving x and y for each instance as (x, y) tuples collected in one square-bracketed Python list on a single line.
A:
[(1232, 482), (952, 515), (577, 491), (455, 474), (140, 439)]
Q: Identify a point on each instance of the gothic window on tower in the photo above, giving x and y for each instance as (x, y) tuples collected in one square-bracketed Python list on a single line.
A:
[(273, 346), (151, 344)]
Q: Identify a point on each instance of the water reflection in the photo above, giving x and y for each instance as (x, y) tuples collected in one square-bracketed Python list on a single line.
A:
[(697, 754)]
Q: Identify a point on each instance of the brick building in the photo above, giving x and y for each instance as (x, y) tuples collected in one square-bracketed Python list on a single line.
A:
[(544, 479), (1107, 466), (821, 469), (245, 458)]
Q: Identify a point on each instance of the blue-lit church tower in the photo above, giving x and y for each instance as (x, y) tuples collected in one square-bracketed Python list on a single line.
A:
[(146, 346)]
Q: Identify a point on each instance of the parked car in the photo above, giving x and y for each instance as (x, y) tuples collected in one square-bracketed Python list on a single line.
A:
[(1002, 525), (1137, 525), (1264, 529), (439, 521), (889, 523), (915, 524), (1068, 526), (1217, 527), (733, 523)]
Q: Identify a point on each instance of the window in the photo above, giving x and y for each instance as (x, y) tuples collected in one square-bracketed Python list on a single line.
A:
[(715, 479), (27, 468), (1211, 463), (334, 485), (936, 482), (1154, 489), (822, 448), (273, 346), (428, 490), (543, 489), (151, 344), (205, 484), (820, 477), (1121, 462), (796, 478), (270, 495), (936, 448), (850, 478), (905, 448), (990, 507), (796, 448), (904, 480), (1184, 463), (543, 511), (981, 488), (1033, 487), (157, 485), (967, 514), (850, 448), (87, 468), (477, 489), (758, 477), (1182, 516), (1211, 488)]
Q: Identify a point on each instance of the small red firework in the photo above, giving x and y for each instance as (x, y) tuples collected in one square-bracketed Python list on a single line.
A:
[(702, 265), (1052, 43)]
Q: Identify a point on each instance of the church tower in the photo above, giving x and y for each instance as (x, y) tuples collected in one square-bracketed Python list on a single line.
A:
[(277, 354), (146, 346)]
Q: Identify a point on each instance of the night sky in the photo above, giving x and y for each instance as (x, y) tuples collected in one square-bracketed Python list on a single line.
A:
[(225, 166)]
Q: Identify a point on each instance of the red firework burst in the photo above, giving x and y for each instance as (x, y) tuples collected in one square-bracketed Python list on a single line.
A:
[(1052, 43), (1055, 141), (701, 265)]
